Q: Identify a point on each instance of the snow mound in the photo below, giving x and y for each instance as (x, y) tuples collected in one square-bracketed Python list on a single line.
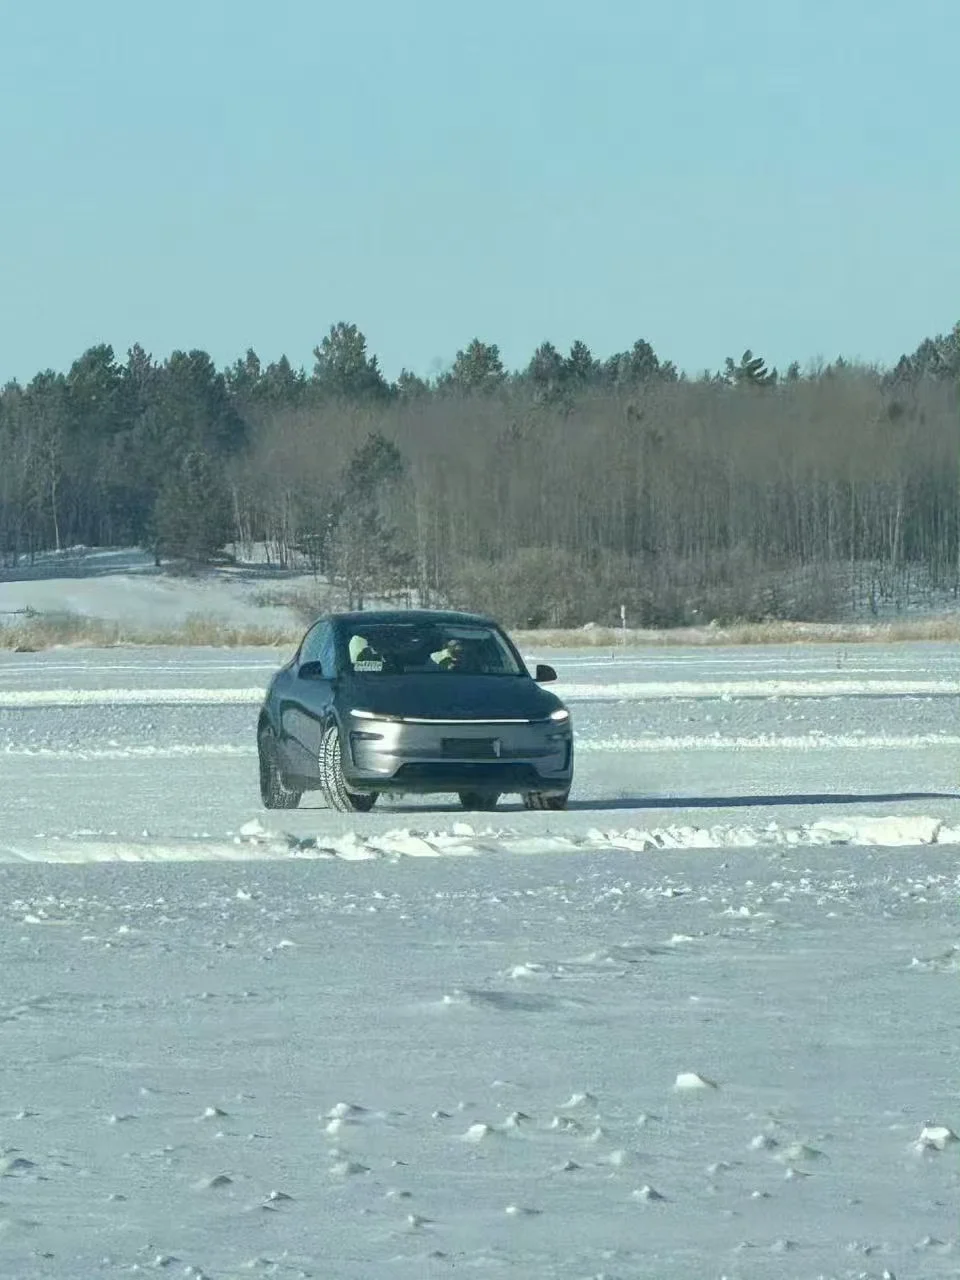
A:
[(579, 1100), (343, 1110), (217, 1182), (936, 1137), (647, 1193), (888, 832), (479, 1133), (691, 1081)]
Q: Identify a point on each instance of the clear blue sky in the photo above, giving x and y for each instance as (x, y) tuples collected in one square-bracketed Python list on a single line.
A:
[(779, 174)]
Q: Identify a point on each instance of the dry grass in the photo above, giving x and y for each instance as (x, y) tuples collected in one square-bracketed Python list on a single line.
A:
[(46, 631), (39, 631), (945, 628)]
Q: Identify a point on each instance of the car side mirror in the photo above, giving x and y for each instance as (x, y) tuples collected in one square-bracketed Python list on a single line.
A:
[(311, 671), (545, 673)]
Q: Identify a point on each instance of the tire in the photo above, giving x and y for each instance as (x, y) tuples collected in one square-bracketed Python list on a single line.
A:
[(274, 791), (480, 801), (335, 790), (545, 800)]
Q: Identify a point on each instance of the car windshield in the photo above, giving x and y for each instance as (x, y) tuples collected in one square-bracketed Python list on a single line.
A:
[(431, 648)]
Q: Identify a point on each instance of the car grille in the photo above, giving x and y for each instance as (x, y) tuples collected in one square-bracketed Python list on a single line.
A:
[(464, 774), (471, 748)]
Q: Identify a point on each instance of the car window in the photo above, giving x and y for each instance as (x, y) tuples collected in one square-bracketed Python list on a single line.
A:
[(318, 647), (432, 648), (328, 651)]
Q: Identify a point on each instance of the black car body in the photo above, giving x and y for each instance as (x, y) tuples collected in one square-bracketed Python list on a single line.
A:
[(412, 701)]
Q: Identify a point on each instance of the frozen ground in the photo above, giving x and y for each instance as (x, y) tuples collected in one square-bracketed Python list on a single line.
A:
[(409, 1045)]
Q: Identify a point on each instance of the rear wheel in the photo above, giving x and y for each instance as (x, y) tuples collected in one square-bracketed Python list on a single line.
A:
[(546, 800), (335, 790), (274, 791), (480, 801)]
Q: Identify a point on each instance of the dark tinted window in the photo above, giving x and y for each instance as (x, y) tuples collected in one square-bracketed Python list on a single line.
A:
[(328, 651)]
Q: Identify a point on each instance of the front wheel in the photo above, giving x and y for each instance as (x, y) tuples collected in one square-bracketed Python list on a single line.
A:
[(274, 791), (545, 800), (335, 790)]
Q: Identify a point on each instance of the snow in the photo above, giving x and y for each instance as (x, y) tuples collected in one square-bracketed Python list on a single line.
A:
[(257, 843), (569, 691), (125, 586), (702, 1023)]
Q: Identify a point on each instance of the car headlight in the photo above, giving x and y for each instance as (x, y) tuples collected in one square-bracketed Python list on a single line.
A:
[(358, 713), (560, 715)]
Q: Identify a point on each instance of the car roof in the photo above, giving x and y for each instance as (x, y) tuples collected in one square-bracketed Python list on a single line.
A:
[(418, 617)]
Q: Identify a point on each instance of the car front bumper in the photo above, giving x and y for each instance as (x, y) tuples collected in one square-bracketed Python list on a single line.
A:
[(428, 756)]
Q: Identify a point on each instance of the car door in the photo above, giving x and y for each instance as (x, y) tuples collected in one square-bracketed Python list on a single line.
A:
[(307, 706)]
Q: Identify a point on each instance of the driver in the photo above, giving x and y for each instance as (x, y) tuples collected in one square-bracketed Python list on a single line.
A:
[(455, 657)]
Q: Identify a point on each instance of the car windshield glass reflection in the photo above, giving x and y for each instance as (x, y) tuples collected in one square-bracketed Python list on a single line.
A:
[(398, 648)]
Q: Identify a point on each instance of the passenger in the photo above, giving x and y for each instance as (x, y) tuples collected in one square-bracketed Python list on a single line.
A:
[(362, 656)]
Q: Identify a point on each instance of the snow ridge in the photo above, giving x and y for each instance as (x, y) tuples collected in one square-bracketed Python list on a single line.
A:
[(626, 691), (254, 842)]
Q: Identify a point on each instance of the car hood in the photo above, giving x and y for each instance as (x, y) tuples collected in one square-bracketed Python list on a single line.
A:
[(449, 696)]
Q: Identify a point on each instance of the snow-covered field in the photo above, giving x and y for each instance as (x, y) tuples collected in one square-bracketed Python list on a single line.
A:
[(124, 586), (702, 1024)]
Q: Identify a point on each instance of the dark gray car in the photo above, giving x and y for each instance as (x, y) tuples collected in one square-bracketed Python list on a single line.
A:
[(412, 702)]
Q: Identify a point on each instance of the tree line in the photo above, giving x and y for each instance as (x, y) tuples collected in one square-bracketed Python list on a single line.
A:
[(552, 494)]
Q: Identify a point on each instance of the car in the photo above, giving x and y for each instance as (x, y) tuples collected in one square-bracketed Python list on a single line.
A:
[(412, 702)]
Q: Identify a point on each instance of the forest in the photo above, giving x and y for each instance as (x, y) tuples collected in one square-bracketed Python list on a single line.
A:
[(553, 495)]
